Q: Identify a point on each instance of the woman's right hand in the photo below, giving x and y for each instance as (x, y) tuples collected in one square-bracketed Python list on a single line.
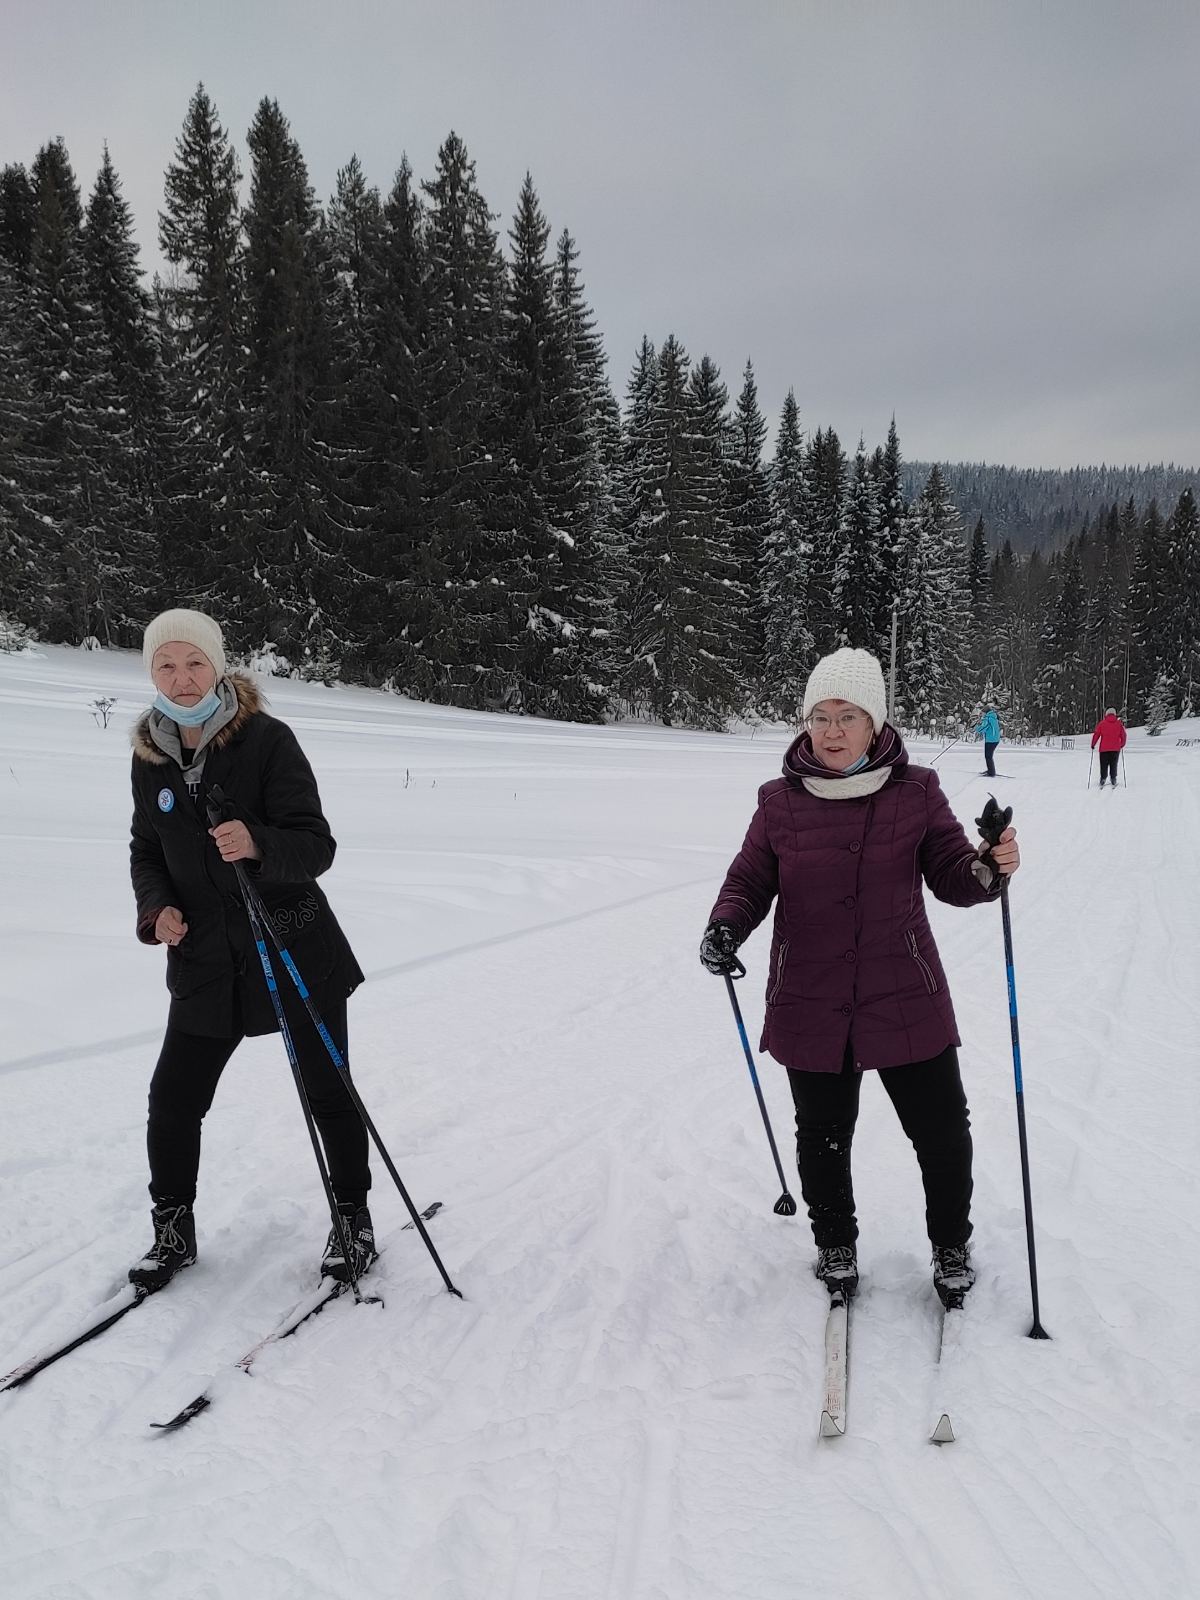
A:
[(169, 927), (718, 949)]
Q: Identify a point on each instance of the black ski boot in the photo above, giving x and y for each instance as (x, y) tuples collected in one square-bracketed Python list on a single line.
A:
[(837, 1268), (953, 1274), (360, 1235), (174, 1245)]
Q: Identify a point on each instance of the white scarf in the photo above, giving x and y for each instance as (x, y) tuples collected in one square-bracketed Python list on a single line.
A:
[(853, 787)]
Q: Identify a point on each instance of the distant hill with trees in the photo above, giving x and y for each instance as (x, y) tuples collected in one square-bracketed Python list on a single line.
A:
[(1042, 507)]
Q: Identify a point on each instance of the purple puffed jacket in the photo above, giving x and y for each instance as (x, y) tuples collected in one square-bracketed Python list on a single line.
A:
[(852, 957)]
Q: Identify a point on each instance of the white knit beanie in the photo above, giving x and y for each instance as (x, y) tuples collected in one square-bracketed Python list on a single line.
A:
[(188, 627), (853, 675)]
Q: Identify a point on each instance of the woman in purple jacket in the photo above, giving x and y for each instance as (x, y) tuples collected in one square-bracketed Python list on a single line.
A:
[(841, 843)]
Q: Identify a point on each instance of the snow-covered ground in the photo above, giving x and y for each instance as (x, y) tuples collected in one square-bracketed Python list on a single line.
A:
[(625, 1404)]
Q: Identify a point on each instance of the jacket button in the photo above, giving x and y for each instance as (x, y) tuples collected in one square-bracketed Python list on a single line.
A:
[(850, 956), (848, 902), (855, 846), (846, 1011)]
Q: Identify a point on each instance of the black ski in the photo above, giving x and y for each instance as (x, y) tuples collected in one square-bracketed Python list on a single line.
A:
[(125, 1300), (311, 1306)]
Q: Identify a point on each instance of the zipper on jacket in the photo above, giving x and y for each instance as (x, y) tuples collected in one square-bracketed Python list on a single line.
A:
[(927, 970), (781, 961)]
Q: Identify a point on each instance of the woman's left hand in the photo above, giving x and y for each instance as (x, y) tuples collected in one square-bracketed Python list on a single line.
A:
[(1005, 856), (234, 841)]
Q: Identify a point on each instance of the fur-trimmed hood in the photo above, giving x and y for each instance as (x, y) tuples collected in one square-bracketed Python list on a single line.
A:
[(250, 701)]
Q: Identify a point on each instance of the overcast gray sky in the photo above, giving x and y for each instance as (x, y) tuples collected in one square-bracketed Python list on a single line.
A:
[(983, 217)]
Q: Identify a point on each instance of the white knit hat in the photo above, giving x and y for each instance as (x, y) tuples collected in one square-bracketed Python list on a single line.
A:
[(853, 675), (188, 627)]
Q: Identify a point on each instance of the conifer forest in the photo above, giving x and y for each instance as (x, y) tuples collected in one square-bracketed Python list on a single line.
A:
[(381, 442)]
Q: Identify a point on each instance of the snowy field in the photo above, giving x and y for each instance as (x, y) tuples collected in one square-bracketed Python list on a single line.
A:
[(625, 1404)]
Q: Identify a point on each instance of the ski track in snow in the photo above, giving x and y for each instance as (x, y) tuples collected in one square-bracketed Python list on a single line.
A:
[(625, 1404)]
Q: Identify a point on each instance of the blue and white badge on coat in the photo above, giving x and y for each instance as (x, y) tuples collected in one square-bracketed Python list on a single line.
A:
[(166, 799)]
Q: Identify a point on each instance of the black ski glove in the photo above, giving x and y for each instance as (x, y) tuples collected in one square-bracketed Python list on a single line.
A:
[(718, 949), (991, 825)]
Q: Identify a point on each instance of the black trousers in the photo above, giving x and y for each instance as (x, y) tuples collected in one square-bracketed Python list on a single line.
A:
[(1108, 765), (989, 751), (932, 1107), (185, 1080)]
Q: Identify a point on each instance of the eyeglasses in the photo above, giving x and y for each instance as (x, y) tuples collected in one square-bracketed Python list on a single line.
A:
[(847, 721)]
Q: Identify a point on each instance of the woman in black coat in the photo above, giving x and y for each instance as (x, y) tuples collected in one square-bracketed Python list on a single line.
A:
[(208, 728)]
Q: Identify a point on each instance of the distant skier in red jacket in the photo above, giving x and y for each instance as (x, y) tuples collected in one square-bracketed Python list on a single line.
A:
[(1109, 733)]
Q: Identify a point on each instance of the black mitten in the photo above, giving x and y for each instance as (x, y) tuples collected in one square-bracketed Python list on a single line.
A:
[(718, 949)]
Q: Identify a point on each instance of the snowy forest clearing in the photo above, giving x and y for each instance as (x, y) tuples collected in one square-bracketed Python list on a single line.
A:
[(625, 1406)]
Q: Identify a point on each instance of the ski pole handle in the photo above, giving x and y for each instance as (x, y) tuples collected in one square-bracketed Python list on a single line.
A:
[(993, 821)]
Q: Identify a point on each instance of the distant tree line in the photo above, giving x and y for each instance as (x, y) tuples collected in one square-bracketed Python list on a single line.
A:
[(381, 448), (1040, 508)]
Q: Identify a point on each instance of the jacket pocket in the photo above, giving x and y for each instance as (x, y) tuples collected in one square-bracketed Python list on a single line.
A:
[(926, 969), (780, 968)]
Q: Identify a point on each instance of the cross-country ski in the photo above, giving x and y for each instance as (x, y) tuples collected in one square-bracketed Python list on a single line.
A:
[(328, 1290)]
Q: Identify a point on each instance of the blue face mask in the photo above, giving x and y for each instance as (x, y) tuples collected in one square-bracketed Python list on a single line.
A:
[(858, 765), (188, 716)]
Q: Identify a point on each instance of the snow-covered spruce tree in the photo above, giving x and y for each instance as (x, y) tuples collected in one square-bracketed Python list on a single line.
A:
[(588, 351), (124, 307), (469, 645), (788, 654), (887, 467), (410, 570), (1103, 645), (1060, 689), (978, 576), (1005, 600), (21, 534), (95, 568), (826, 466), (855, 600), (18, 218), (14, 635), (358, 408), (715, 445), (1147, 602), (748, 503), (1160, 705), (135, 384), (640, 396), (354, 223), (1181, 611), (979, 572), (205, 530), (931, 669), (304, 584), (554, 486), (680, 669), (604, 494)]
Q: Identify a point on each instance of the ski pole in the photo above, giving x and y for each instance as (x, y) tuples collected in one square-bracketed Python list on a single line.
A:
[(260, 917), (1124, 772), (991, 825), (214, 817), (943, 750), (785, 1206), (1091, 758)]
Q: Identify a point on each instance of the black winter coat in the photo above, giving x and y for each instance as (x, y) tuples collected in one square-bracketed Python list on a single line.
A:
[(214, 975)]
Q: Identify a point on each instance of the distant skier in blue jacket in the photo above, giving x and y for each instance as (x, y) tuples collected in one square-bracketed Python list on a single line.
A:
[(989, 730)]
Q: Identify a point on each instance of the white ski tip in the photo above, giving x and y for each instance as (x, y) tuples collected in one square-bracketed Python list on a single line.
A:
[(943, 1433), (831, 1429)]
